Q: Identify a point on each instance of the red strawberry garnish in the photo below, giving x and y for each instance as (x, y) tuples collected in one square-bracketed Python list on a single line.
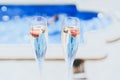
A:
[(74, 32), (35, 32)]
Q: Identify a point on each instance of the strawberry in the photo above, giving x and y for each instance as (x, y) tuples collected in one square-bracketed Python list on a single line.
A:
[(35, 32), (74, 32)]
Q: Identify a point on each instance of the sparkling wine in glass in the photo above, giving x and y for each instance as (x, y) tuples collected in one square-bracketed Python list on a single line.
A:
[(70, 40), (39, 35)]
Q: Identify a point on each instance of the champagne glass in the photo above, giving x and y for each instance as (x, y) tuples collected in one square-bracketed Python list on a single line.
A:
[(70, 40), (39, 34)]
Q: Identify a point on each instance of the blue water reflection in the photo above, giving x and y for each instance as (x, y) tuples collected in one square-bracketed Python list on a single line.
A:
[(14, 21)]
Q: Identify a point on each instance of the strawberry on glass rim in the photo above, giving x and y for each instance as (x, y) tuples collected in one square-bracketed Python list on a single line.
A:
[(74, 32), (35, 32)]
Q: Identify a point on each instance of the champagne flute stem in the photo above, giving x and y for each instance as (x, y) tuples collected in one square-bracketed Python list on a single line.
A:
[(40, 66), (70, 76), (70, 71)]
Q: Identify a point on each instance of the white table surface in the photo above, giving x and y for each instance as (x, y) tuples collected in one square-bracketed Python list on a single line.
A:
[(28, 70), (107, 69)]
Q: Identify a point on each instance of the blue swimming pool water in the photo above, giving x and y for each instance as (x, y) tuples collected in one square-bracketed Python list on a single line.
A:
[(14, 21)]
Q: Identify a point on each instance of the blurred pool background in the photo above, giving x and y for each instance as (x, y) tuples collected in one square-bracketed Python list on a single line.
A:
[(14, 21)]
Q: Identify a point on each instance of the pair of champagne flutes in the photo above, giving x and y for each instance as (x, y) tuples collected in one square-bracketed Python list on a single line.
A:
[(69, 37)]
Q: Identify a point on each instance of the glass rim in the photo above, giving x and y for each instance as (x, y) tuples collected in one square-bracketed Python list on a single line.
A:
[(72, 18), (34, 17), (40, 18)]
